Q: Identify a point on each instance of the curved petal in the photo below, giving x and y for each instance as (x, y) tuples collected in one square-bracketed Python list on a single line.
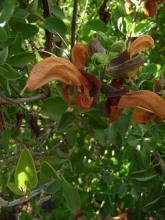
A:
[(141, 116), (94, 86), (82, 97), (150, 8), (54, 68), (146, 99), (141, 43), (79, 55), (65, 92), (115, 113)]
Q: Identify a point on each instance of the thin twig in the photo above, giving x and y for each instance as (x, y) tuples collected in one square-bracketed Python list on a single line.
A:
[(5, 203), (73, 24), (11, 160), (48, 35), (83, 13), (6, 100), (158, 157)]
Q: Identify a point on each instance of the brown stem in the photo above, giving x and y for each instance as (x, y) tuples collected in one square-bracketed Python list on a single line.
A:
[(73, 24), (48, 35), (6, 100), (2, 120), (158, 157)]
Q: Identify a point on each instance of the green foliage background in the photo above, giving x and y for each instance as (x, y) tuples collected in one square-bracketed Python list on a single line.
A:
[(94, 165)]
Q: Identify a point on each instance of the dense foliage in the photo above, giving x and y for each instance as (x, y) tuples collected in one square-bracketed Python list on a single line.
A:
[(80, 148)]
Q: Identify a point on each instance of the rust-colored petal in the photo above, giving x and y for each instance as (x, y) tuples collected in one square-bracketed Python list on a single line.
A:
[(65, 92), (150, 8), (79, 55), (141, 116), (145, 99), (115, 113), (110, 108), (82, 97), (140, 44), (94, 86), (117, 83), (54, 68)]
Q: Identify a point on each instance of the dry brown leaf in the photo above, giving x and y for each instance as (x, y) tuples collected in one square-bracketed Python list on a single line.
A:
[(79, 55), (127, 68), (145, 99), (140, 44), (95, 46), (150, 8), (54, 68)]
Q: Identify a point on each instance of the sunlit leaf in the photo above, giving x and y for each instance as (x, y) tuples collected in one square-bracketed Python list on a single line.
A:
[(25, 175), (15, 189)]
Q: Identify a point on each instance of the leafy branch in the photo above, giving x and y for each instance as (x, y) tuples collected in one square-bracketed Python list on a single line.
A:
[(34, 193)]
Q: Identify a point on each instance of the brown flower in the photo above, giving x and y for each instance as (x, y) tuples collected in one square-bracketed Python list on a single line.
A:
[(85, 86)]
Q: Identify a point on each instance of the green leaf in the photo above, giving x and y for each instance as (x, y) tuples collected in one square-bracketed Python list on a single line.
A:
[(47, 172), (66, 121), (143, 26), (3, 35), (115, 136), (71, 196), (95, 120), (71, 137), (3, 54), (27, 30), (5, 137), (25, 175), (144, 179), (16, 45), (14, 188), (25, 216), (21, 13), (7, 11), (96, 25), (34, 6), (154, 201), (8, 72), (55, 25), (53, 107), (58, 12), (121, 24), (21, 59)]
